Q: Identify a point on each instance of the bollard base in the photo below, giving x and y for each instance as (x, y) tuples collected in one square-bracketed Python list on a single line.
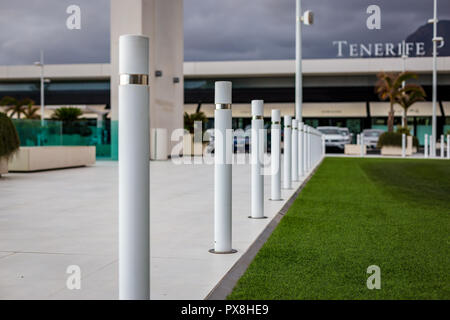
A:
[(263, 217), (270, 199), (222, 252)]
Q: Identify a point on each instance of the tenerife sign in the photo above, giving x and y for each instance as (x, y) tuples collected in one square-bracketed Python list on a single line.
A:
[(345, 48)]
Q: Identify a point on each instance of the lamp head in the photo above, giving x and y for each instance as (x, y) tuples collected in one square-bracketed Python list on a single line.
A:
[(308, 17)]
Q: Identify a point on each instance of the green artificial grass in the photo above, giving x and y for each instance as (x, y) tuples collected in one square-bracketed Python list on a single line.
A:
[(354, 213)]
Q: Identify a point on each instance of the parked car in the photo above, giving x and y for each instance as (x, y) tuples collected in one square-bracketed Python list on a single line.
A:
[(241, 139), (371, 137), (334, 137), (346, 133)]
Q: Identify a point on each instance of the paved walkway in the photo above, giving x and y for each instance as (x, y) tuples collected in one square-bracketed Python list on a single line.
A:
[(50, 220)]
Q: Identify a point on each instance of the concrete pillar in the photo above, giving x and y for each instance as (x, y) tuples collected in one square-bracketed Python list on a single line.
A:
[(162, 22)]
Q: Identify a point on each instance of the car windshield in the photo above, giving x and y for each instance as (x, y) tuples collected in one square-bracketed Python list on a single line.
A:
[(372, 133), (329, 131)]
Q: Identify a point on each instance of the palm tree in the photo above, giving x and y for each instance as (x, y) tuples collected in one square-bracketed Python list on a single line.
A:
[(189, 119), (15, 106), (30, 112), (67, 115), (410, 94), (389, 87)]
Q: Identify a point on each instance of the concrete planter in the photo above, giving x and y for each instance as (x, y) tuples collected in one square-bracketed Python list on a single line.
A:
[(394, 151), (354, 149), (29, 159), (397, 150), (190, 148), (3, 166)]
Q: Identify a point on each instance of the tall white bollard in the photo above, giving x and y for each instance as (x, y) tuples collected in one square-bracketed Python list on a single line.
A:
[(287, 152), (275, 137), (305, 149), (223, 151), (306, 129), (425, 146), (403, 145), (324, 146), (257, 154), (431, 146), (358, 139), (300, 149), (309, 148), (448, 146), (361, 140), (442, 146), (294, 150), (134, 169)]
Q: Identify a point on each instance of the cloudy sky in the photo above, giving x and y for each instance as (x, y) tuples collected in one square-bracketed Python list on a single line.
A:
[(214, 29)]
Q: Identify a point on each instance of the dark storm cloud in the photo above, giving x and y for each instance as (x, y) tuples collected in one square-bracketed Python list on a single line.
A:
[(214, 29), (265, 29), (26, 26)]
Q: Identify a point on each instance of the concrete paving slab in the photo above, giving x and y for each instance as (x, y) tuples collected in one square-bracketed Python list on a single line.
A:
[(49, 220)]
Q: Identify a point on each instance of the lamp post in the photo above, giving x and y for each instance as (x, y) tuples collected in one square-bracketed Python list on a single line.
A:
[(40, 64), (404, 57), (134, 168), (435, 39), (307, 19)]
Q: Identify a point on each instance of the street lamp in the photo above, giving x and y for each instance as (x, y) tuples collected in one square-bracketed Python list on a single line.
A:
[(435, 39), (41, 65), (404, 57), (307, 19)]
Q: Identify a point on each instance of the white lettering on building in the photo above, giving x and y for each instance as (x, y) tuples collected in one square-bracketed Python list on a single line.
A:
[(388, 49)]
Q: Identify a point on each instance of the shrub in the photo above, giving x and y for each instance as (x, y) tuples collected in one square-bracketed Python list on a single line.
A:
[(9, 139), (404, 130), (394, 139)]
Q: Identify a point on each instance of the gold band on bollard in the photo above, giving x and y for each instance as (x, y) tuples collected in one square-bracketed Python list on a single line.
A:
[(257, 117), (223, 106), (287, 126), (139, 79), (275, 122)]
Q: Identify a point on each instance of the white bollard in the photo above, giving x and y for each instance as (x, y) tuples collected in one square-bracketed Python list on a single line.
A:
[(431, 146), (425, 146), (300, 149), (361, 140), (294, 150), (275, 137), (442, 146), (324, 146), (223, 150), (403, 145), (287, 152), (448, 146), (134, 169), (305, 146), (309, 148), (358, 139), (257, 154)]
